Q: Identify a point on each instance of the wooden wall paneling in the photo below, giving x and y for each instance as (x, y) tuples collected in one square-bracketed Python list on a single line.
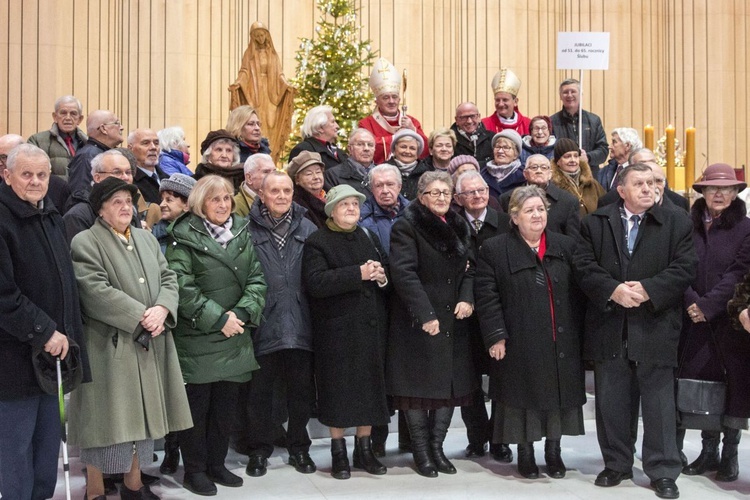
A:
[(634, 71), (16, 67), (387, 35), (180, 53), (203, 69), (547, 79), (610, 91), (54, 52), (528, 98), (477, 65), (700, 77), (132, 70), (722, 90), (739, 116), (146, 82), (431, 70), (496, 19), (79, 63), (156, 51), (30, 73), (5, 18), (217, 113)]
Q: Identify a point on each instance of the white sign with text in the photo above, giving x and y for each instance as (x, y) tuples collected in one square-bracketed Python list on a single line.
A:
[(582, 50)]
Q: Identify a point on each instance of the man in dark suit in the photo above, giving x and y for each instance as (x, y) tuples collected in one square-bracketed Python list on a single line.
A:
[(472, 194), (666, 197), (634, 262), (563, 215), (144, 143)]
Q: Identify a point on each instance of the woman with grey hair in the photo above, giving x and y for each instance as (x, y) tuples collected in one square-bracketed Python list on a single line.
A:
[(221, 156), (505, 171), (429, 363), (175, 151), (406, 148), (530, 269), (319, 135)]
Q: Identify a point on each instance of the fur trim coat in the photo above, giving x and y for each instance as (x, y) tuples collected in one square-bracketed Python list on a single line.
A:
[(588, 191)]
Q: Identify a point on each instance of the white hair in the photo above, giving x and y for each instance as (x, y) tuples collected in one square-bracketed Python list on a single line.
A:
[(468, 175), (236, 149), (253, 162), (628, 136), (26, 150), (315, 119), (382, 169), (170, 138), (96, 163), (68, 99)]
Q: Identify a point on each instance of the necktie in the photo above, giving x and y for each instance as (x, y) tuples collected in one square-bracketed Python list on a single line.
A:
[(614, 177), (477, 224), (69, 143), (633, 233)]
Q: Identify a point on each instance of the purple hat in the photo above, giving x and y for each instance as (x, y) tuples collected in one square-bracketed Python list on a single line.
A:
[(462, 160), (719, 175)]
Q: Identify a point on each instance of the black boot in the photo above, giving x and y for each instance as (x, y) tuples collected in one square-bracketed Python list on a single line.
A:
[(555, 465), (729, 468), (708, 460), (526, 461), (501, 452), (420, 434), (404, 438), (144, 493), (364, 457), (378, 436), (441, 420), (171, 454), (339, 459)]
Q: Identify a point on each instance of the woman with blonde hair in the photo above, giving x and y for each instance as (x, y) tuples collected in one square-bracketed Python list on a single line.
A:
[(245, 124)]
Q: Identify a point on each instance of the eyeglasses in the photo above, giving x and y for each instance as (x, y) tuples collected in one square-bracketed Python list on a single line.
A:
[(715, 189), (475, 192), (436, 193), (540, 129), (537, 168), (466, 118), (505, 147), (117, 173)]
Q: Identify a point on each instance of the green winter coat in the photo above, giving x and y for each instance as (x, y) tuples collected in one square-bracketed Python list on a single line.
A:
[(135, 394), (214, 280)]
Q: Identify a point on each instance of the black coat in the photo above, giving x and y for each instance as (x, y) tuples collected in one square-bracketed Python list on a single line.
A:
[(513, 303), (79, 168), (286, 322), (410, 180), (148, 187), (663, 260), (329, 159), (432, 269), (346, 173), (38, 291), (350, 325), (594, 138), (315, 206), (465, 146), (564, 213)]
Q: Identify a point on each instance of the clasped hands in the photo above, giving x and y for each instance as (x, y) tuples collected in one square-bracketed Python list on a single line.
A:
[(373, 270), (630, 294), (153, 319), (695, 313)]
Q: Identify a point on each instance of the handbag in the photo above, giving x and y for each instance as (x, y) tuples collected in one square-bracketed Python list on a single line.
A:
[(701, 403)]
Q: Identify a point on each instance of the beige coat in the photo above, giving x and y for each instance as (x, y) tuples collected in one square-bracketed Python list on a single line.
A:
[(588, 191), (135, 394)]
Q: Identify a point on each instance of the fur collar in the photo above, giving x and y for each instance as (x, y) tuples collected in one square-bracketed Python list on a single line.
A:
[(585, 178), (453, 237), (732, 216)]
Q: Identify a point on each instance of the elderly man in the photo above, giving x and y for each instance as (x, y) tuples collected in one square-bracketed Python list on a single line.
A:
[(105, 132), (472, 195), (472, 138), (319, 135), (354, 171), (283, 341), (624, 142), (388, 118), (505, 86), (257, 167), (563, 215), (634, 262), (144, 143), (594, 149), (665, 196), (64, 138), (40, 311)]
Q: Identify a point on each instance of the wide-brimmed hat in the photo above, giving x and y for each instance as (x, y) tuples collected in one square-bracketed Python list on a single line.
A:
[(405, 132), (303, 160), (214, 136), (338, 193), (102, 191), (511, 134), (178, 183), (720, 175)]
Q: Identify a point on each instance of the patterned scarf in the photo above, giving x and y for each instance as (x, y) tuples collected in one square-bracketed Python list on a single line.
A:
[(279, 227), (222, 234)]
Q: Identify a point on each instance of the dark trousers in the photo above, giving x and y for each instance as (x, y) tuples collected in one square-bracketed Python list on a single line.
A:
[(213, 408), (294, 367), (478, 426), (616, 407), (29, 447)]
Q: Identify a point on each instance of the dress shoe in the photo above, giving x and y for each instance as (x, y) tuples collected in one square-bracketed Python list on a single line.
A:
[(609, 477), (665, 488), (475, 450), (144, 493), (222, 476), (256, 467), (526, 461), (100, 497), (501, 452), (200, 484), (553, 458), (302, 462)]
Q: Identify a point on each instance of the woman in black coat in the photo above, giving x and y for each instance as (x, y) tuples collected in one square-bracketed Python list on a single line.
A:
[(344, 273), (430, 369), (530, 313)]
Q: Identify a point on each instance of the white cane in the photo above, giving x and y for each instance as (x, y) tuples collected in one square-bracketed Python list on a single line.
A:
[(63, 430)]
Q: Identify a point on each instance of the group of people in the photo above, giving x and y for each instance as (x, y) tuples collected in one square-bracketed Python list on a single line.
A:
[(210, 307)]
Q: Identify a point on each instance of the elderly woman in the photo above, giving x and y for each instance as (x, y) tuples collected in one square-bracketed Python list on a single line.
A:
[(221, 156), (540, 140), (222, 295), (174, 193), (505, 171), (244, 124), (625, 141), (571, 173), (306, 170), (441, 143), (721, 235), (129, 303), (319, 135), (175, 151), (406, 148), (429, 365), (530, 270), (344, 273)]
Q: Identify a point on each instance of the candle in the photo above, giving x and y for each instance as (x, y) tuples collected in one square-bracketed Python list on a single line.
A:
[(670, 155), (689, 157), (648, 137)]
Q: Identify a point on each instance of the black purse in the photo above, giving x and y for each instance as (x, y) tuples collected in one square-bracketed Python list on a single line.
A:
[(701, 403)]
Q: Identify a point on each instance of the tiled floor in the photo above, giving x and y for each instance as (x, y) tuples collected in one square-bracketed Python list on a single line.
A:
[(476, 479)]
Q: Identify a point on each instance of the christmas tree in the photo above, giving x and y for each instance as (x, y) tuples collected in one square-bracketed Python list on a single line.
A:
[(330, 69)]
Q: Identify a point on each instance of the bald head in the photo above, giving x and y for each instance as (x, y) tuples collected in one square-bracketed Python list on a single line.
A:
[(105, 127), (7, 143), (467, 117)]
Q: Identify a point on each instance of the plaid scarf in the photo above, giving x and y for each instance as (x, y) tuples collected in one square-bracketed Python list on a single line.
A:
[(222, 234), (279, 227)]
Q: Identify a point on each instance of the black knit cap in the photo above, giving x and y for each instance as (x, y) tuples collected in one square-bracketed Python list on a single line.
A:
[(565, 145), (104, 190)]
